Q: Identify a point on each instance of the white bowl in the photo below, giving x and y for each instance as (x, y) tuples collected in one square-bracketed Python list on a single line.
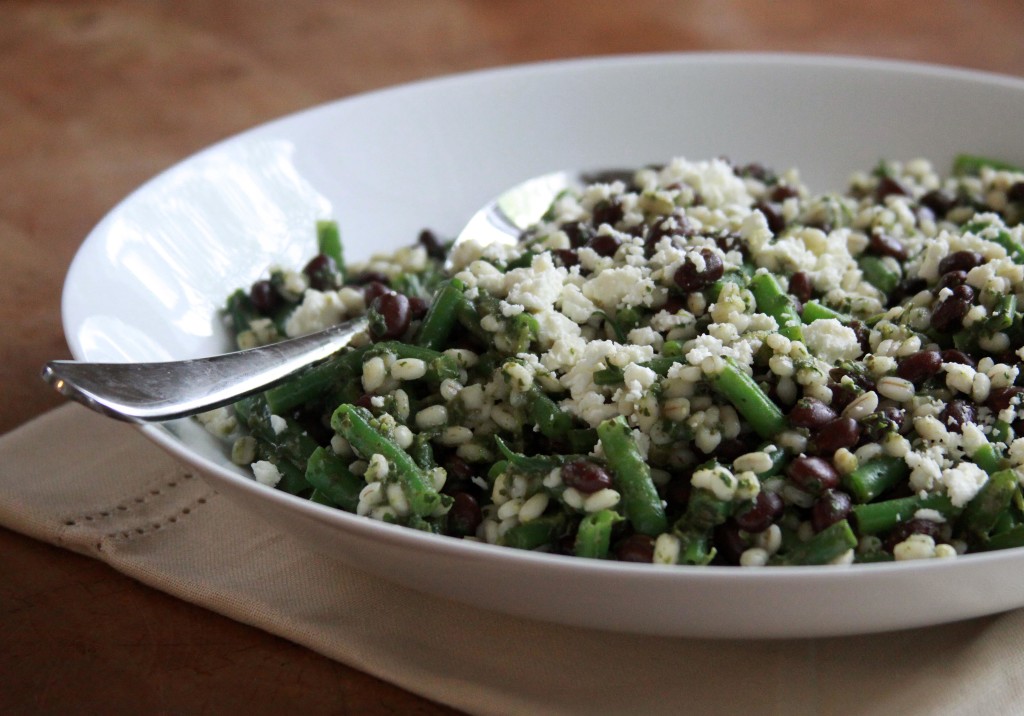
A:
[(149, 280)]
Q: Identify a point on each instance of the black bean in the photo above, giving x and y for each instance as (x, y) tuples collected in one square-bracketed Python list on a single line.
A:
[(859, 378), (915, 526), (586, 476), (832, 506), (635, 548), (606, 212), (418, 307), (434, 246), (957, 412), (863, 334), (887, 186), (939, 202), (727, 241), (729, 542), (812, 474), (568, 257), (367, 277), (669, 226), (464, 516), (840, 433), (604, 244), (677, 493), (1000, 398), (951, 279), (811, 413), (918, 367), (908, 286), (579, 234), (952, 355), (458, 469), (754, 170), (800, 286), (896, 417), (689, 278), (885, 245), (323, 273), (731, 448), (964, 292), (1016, 192), (393, 316), (842, 395), (674, 303), (264, 297), (960, 261), (365, 400), (374, 290), (772, 214), (948, 315), (765, 509), (781, 192)]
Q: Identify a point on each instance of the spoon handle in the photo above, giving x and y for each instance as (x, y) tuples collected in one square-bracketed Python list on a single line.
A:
[(148, 392)]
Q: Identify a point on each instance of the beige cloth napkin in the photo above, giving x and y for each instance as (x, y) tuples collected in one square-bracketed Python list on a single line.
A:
[(89, 484)]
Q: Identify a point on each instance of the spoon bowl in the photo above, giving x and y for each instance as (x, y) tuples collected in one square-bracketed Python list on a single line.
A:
[(153, 392)]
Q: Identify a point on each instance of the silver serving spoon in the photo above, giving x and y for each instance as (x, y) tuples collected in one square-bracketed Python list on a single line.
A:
[(147, 392)]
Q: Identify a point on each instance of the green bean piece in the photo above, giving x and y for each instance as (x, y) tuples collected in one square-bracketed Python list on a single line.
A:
[(987, 457), (878, 517), (703, 513), (328, 241), (1013, 537), (535, 533), (1002, 314), (972, 164), (983, 511), (552, 421), (662, 364), (321, 499), (595, 534), (814, 311), (875, 477), (628, 318), (1008, 519), (355, 425), (290, 441), (316, 380), (747, 397), (828, 545), (332, 480), (771, 299), (695, 549), (241, 311), (1002, 432), (1014, 249), (496, 469), (582, 440), (879, 273), (469, 318), (530, 463), (441, 316), (608, 376), (293, 478), (422, 452), (640, 499)]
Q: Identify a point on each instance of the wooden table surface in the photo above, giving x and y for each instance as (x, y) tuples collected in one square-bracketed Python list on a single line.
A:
[(96, 97)]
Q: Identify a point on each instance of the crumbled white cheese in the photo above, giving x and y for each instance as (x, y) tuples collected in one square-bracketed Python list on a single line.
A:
[(831, 341), (266, 473)]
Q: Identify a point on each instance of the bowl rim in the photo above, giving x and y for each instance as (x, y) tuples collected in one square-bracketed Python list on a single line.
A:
[(469, 549)]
